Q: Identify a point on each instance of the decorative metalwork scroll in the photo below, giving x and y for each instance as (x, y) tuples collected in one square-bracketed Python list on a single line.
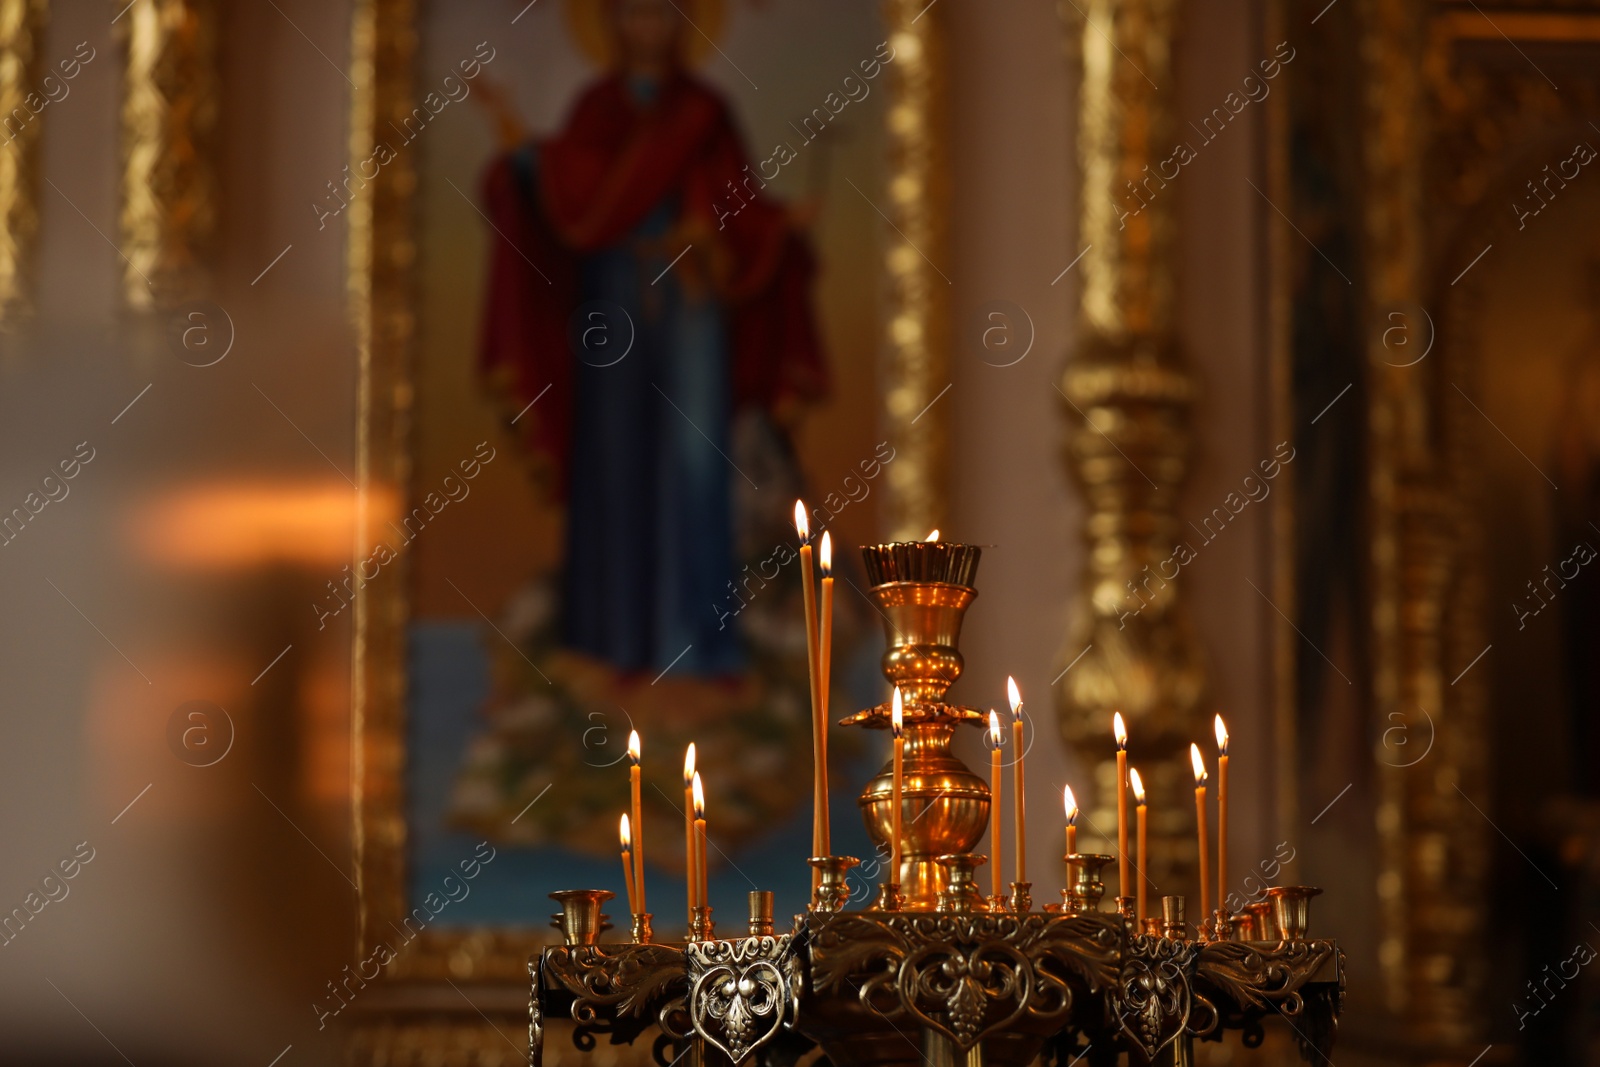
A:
[(1156, 993), (965, 976), (618, 991), (741, 992)]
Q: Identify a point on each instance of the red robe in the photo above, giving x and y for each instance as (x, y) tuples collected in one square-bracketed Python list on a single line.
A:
[(596, 181)]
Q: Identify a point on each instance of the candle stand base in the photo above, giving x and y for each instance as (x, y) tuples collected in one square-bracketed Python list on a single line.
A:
[(865, 987)]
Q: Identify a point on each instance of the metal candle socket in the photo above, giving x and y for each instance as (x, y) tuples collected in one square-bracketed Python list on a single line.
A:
[(1173, 926), (1291, 909), (760, 913), (642, 931), (833, 892), (1085, 890), (960, 893), (580, 921)]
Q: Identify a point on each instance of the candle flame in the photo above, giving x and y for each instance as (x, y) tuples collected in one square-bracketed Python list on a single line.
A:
[(826, 555), (688, 766), (1069, 802), (1222, 735), (625, 834), (1199, 765), (1014, 695), (699, 797), (801, 526), (996, 738), (633, 746), (933, 535), (897, 712), (1137, 785), (1119, 731)]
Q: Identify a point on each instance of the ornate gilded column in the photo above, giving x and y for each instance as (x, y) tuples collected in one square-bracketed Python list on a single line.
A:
[(22, 25), (169, 118), (917, 370), (1127, 397), (1432, 846)]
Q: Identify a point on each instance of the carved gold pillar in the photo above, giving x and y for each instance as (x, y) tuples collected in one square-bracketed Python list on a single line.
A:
[(1128, 395), (381, 286), (918, 331), (22, 25), (169, 119), (1432, 845)]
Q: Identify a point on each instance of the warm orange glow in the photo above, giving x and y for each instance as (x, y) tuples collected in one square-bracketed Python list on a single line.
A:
[(688, 766), (1070, 803), (699, 797), (1014, 696), (633, 745), (996, 738), (1199, 765), (625, 833), (801, 526), (934, 536), (222, 526), (1222, 736), (897, 712), (1119, 731), (1138, 786), (825, 556)]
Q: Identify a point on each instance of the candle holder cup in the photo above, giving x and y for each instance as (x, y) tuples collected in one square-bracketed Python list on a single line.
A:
[(1021, 901), (1126, 907), (997, 903), (889, 897), (580, 921), (702, 928), (1291, 909), (1085, 889), (833, 890), (760, 913), (960, 893), (1262, 927), (643, 933), (1173, 926)]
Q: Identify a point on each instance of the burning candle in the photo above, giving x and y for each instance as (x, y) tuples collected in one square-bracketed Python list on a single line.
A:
[(1200, 817), (1141, 854), (802, 527), (896, 796), (1070, 802), (688, 827), (1222, 812), (1121, 733), (932, 536), (824, 682), (627, 863), (699, 794), (638, 821), (996, 739), (1015, 698)]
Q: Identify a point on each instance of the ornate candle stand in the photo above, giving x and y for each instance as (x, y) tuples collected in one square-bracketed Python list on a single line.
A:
[(935, 974)]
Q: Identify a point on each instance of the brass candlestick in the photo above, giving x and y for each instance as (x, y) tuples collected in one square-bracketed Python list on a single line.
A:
[(580, 921), (923, 590)]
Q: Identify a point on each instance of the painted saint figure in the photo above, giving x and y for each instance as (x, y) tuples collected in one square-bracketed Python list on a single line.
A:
[(643, 290)]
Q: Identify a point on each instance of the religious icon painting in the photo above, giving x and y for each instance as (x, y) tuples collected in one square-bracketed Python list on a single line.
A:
[(647, 254)]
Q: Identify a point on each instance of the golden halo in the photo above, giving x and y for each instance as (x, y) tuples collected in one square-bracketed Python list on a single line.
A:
[(589, 22)]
